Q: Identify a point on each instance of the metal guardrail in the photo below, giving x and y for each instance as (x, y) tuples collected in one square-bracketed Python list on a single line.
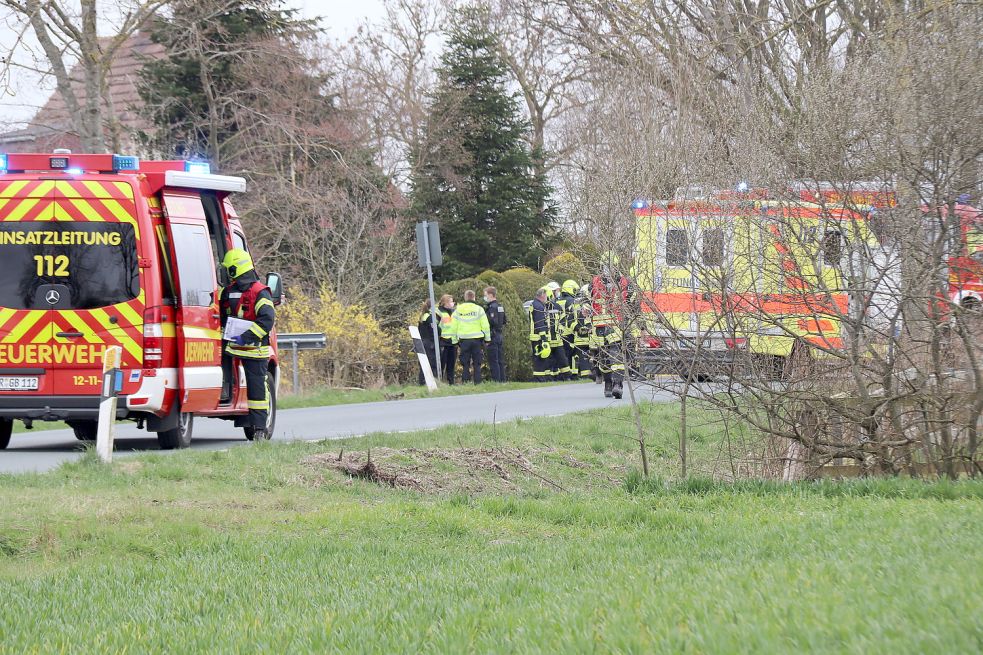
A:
[(297, 341)]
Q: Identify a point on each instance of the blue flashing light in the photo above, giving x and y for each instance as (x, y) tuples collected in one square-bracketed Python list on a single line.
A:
[(743, 187), (197, 167), (126, 163), (74, 171), (3, 163), (640, 203)]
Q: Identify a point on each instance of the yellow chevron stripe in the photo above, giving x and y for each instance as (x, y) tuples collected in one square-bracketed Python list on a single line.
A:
[(87, 210), (117, 210), (26, 323), (13, 188), (58, 213), (117, 333), (153, 202), (80, 325), (125, 188), (5, 315), (22, 208), (130, 314), (97, 189)]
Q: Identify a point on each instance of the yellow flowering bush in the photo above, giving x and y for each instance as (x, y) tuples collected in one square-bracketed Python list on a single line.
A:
[(358, 351)]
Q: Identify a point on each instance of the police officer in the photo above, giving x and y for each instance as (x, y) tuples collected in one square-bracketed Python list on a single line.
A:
[(470, 331), (539, 335), (249, 299), (497, 320)]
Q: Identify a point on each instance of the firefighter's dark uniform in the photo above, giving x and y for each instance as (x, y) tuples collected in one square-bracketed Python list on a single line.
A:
[(539, 338), (254, 353), (496, 349), (559, 365), (565, 328)]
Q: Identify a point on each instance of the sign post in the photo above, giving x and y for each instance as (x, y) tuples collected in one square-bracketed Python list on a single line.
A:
[(112, 384), (429, 255)]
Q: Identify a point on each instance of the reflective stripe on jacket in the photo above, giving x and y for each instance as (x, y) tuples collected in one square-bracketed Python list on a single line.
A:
[(469, 321)]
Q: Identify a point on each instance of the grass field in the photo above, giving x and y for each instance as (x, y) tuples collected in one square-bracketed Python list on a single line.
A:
[(527, 537)]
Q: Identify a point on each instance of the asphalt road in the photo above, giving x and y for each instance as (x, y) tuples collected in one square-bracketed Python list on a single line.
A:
[(44, 450)]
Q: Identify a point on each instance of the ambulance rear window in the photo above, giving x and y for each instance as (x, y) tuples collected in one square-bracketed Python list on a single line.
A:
[(96, 263)]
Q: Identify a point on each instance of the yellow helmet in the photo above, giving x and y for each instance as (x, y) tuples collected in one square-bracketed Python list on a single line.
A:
[(570, 286), (237, 261)]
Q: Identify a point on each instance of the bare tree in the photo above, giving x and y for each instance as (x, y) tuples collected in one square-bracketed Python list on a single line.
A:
[(75, 55)]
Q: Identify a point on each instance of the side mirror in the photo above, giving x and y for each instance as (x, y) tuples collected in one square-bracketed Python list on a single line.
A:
[(275, 284)]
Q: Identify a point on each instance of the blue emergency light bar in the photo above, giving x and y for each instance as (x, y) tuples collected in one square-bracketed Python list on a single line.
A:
[(126, 163), (197, 167), (3, 163)]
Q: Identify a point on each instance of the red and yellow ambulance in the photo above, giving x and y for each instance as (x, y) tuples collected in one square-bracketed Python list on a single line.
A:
[(107, 250), (733, 277)]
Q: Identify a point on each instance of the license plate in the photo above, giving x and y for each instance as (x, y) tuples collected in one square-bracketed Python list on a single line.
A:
[(9, 383)]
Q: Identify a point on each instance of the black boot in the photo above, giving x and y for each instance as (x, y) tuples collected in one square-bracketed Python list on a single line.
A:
[(608, 388), (617, 390)]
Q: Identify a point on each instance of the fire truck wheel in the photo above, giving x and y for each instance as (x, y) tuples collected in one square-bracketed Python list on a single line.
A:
[(271, 414), (6, 429), (84, 430), (179, 437)]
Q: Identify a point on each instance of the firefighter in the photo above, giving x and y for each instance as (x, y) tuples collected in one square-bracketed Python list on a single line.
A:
[(559, 365), (470, 331), (426, 336), (609, 293), (539, 335), (497, 320), (581, 329), (568, 320), (448, 351), (249, 299)]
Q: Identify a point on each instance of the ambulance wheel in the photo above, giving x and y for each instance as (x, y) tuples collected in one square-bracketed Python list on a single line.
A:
[(271, 414), (6, 429), (179, 437), (84, 430)]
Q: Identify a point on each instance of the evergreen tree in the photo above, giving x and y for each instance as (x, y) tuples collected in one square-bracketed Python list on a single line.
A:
[(194, 95), (474, 172)]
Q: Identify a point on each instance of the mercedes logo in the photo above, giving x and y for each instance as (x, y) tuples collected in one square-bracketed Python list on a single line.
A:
[(52, 297)]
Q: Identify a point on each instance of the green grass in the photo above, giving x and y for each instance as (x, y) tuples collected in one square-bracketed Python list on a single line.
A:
[(41, 425), (268, 548), (328, 396)]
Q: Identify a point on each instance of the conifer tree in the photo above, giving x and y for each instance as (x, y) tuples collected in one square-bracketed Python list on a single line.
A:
[(474, 172)]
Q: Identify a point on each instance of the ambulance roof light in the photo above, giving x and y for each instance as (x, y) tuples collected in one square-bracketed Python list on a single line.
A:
[(3, 163), (126, 163), (74, 171), (200, 167)]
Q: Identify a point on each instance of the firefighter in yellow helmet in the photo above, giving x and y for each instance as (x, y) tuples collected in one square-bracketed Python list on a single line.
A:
[(539, 335), (249, 299), (559, 365), (567, 302)]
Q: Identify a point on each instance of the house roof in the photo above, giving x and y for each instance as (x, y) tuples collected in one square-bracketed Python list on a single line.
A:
[(51, 126)]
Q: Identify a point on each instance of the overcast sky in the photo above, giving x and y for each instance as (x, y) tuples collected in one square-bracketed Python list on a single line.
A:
[(27, 91)]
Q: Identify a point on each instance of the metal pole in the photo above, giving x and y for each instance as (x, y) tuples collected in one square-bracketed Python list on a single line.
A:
[(433, 303), (296, 371)]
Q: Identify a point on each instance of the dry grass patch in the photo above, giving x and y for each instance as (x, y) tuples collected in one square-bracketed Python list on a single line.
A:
[(477, 470)]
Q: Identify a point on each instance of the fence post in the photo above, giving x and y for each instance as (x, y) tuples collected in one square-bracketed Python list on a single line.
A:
[(296, 371), (112, 384)]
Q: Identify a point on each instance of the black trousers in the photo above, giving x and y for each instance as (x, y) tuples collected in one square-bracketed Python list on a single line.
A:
[(448, 360), (496, 358), (471, 354), (432, 356), (257, 395)]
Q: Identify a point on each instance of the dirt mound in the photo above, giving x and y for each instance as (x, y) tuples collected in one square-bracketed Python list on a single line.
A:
[(455, 470)]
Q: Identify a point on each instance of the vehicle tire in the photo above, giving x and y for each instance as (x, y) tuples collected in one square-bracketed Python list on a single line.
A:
[(179, 437), (84, 430), (6, 429), (250, 432)]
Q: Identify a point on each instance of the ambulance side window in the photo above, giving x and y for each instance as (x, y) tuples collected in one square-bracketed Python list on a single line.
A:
[(713, 247), (832, 248), (677, 248), (196, 276)]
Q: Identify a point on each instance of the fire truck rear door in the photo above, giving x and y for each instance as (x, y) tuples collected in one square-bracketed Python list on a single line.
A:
[(199, 338)]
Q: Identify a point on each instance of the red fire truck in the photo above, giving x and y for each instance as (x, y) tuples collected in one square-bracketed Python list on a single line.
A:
[(107, 250)]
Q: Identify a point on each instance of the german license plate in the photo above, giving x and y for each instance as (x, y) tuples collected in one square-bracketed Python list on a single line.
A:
[(11, 383)]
